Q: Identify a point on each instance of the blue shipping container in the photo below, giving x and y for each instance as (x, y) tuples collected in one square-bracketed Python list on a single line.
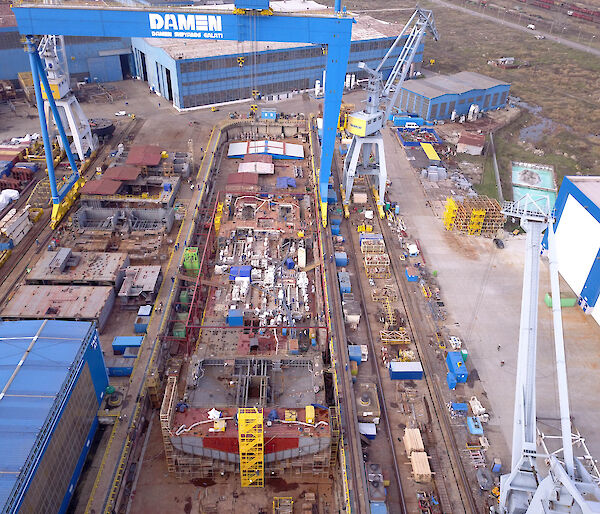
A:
[(354, 352), (335, 230), (235, 318), (456, 365), (405, 370), (341, 259), (121, 342)]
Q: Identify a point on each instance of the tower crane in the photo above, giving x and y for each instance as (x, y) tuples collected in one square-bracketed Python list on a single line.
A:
[(568, 487), (366, 125), (52, 51)]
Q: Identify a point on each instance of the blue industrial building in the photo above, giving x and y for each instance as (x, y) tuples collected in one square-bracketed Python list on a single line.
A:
[(439, 96), (52, 381), (192, 74), (95, 58), (577, 230)]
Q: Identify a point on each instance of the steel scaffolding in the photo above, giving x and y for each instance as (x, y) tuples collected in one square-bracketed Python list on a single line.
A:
[(252, 448)]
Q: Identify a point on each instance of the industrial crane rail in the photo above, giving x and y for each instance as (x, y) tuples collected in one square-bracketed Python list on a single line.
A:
[(375, 366), (417, 330)]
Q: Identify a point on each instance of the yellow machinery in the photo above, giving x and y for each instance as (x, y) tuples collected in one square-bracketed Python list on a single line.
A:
[(345, 110), (252, 447)]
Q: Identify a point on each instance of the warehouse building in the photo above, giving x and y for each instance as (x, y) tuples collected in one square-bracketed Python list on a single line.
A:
[(53, 379), (444, 97), (192, 74), (100, 59), (577, 229)]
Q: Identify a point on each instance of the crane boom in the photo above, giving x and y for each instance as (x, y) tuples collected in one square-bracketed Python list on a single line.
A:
[(366, 155)]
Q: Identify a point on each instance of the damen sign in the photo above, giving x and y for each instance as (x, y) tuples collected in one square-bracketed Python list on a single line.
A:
[(203, 26)]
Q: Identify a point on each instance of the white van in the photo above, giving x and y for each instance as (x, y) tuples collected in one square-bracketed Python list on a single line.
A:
[(531, 26), (411, 125)]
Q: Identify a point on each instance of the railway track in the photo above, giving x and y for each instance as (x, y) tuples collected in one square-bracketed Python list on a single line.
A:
[(396, 500), (420, 330)]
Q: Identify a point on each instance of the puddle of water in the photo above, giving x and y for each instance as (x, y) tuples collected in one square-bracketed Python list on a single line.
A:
[(535, 132)]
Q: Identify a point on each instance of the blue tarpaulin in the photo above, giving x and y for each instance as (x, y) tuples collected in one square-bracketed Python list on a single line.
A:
[(239, 271), (285, 182)]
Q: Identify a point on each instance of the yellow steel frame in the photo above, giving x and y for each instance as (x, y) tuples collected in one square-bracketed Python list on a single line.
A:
[(252, 447), (449, 215), (476, 222), (60, 209), (280, 503)]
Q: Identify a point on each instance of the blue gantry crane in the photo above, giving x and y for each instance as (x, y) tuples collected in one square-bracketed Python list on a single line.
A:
[(251, 20)]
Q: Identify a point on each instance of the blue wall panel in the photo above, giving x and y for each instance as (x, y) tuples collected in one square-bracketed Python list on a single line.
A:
[(105, 69), (14, 60), (220, 79)]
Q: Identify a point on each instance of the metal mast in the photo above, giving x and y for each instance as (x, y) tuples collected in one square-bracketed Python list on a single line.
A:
[(568, 487)]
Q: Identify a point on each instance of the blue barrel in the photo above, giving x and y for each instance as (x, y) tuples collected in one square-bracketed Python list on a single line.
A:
[(335, 230)]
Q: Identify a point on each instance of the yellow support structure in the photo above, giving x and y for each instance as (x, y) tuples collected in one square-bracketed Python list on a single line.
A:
[(283, 505), (60, 209), (252, 447), (449, 216), (476, 222), (379, 207), (218, 217)]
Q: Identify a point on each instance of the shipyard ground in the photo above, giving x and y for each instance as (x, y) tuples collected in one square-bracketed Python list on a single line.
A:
[(480, 285)]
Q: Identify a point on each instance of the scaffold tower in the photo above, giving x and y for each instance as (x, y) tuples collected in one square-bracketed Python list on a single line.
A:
[(252, 448)]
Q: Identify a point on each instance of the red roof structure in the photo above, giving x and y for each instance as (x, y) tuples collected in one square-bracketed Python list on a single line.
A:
[(144, 155), (249, 157), (103, 186), (468, 138), (246, 179), (123, 173)]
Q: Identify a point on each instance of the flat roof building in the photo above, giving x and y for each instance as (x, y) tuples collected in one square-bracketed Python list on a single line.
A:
[(53, 379), (577, 230), (439, 96), (203, 72)]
